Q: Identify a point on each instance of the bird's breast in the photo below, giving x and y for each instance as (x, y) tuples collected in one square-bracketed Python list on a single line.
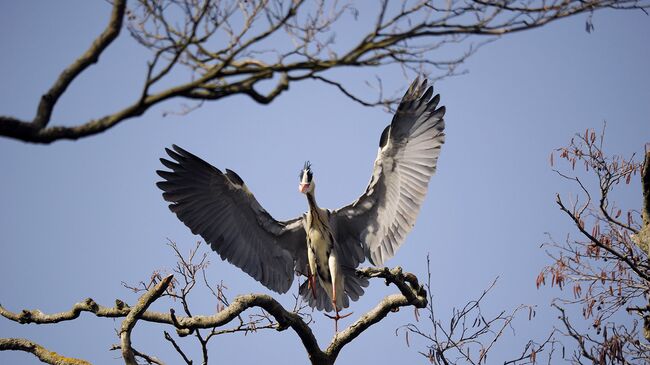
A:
[(320, 242), (318, 229), (320, 247)]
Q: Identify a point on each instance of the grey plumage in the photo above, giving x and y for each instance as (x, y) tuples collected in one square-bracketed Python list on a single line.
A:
[(219, 207), (409, 148)]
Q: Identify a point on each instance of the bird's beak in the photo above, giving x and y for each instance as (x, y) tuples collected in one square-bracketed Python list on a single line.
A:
[(303, 187)]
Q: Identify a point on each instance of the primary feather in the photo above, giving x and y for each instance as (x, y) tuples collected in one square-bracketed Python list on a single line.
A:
[(408, 153)]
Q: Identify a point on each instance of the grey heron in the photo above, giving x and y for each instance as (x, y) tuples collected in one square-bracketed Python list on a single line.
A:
[(323, 245)]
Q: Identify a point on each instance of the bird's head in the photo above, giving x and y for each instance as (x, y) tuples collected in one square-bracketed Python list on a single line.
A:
[(306, 179)]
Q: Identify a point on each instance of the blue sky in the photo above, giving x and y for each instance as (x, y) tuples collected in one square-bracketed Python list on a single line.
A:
[(78, 218)]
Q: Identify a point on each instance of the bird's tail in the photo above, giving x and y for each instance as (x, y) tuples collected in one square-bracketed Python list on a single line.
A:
[(354, 285)]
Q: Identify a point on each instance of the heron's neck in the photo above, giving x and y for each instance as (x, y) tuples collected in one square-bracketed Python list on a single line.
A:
[(317, 218), (311, 199)]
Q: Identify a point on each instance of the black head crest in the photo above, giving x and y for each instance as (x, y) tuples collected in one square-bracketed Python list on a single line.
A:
[(306, 169)]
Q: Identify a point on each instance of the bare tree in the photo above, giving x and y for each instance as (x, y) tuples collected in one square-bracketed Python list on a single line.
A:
[(606, 266), (469, 334), (466, 338), (224, 48), (238, 47)]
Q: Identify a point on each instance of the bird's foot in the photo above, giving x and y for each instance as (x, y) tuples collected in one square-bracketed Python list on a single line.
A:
[(336, 318)]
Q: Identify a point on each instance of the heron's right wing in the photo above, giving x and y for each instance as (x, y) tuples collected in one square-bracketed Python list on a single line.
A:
[(407, 158), (219, 207)]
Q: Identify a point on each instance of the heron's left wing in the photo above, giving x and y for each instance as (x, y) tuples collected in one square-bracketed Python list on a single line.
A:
[(219, 207), (408, 153)]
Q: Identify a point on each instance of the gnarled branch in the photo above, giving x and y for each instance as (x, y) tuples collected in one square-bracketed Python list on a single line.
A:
[(411, 294), (134, 315), (36, 129), (43, 354), (231, 48)]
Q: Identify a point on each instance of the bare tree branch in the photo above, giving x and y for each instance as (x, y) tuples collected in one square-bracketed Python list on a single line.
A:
[(148, 358), (14, 128), (169, 338), (91, 56), (469, 335), (607, 266), (617, 254), (134, 314), (43, 354), (231, 47), (411, 294)]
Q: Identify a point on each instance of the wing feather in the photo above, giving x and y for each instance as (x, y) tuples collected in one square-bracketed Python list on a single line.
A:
[(220, 208), (382, 217)]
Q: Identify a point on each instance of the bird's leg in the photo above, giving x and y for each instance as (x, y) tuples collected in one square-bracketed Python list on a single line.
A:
[(311, 283), (336, 309)]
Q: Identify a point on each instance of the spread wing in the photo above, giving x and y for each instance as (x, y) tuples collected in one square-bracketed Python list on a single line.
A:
[(409, 147), (219, 207)]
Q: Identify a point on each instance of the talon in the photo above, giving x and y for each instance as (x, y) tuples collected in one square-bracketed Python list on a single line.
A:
[(336, 318)]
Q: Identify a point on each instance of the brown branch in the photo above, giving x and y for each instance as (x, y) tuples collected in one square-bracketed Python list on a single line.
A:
[(91, 56), (43, 354), (284, 318), (577, 336), (530, 353), (347, 93), (449, 343), (412, 294), (134, 314), (178, 349), (24, 131), (381, 310), (281, 86), (407, 35), (619, 256), (148, 358)]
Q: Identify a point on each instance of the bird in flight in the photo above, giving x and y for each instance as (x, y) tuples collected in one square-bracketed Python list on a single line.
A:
[(325, 246)]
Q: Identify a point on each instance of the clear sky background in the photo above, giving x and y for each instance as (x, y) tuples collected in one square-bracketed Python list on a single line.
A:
[(78, 218)]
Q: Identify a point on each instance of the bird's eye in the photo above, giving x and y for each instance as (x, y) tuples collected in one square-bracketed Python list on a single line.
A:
[(309, 176)]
